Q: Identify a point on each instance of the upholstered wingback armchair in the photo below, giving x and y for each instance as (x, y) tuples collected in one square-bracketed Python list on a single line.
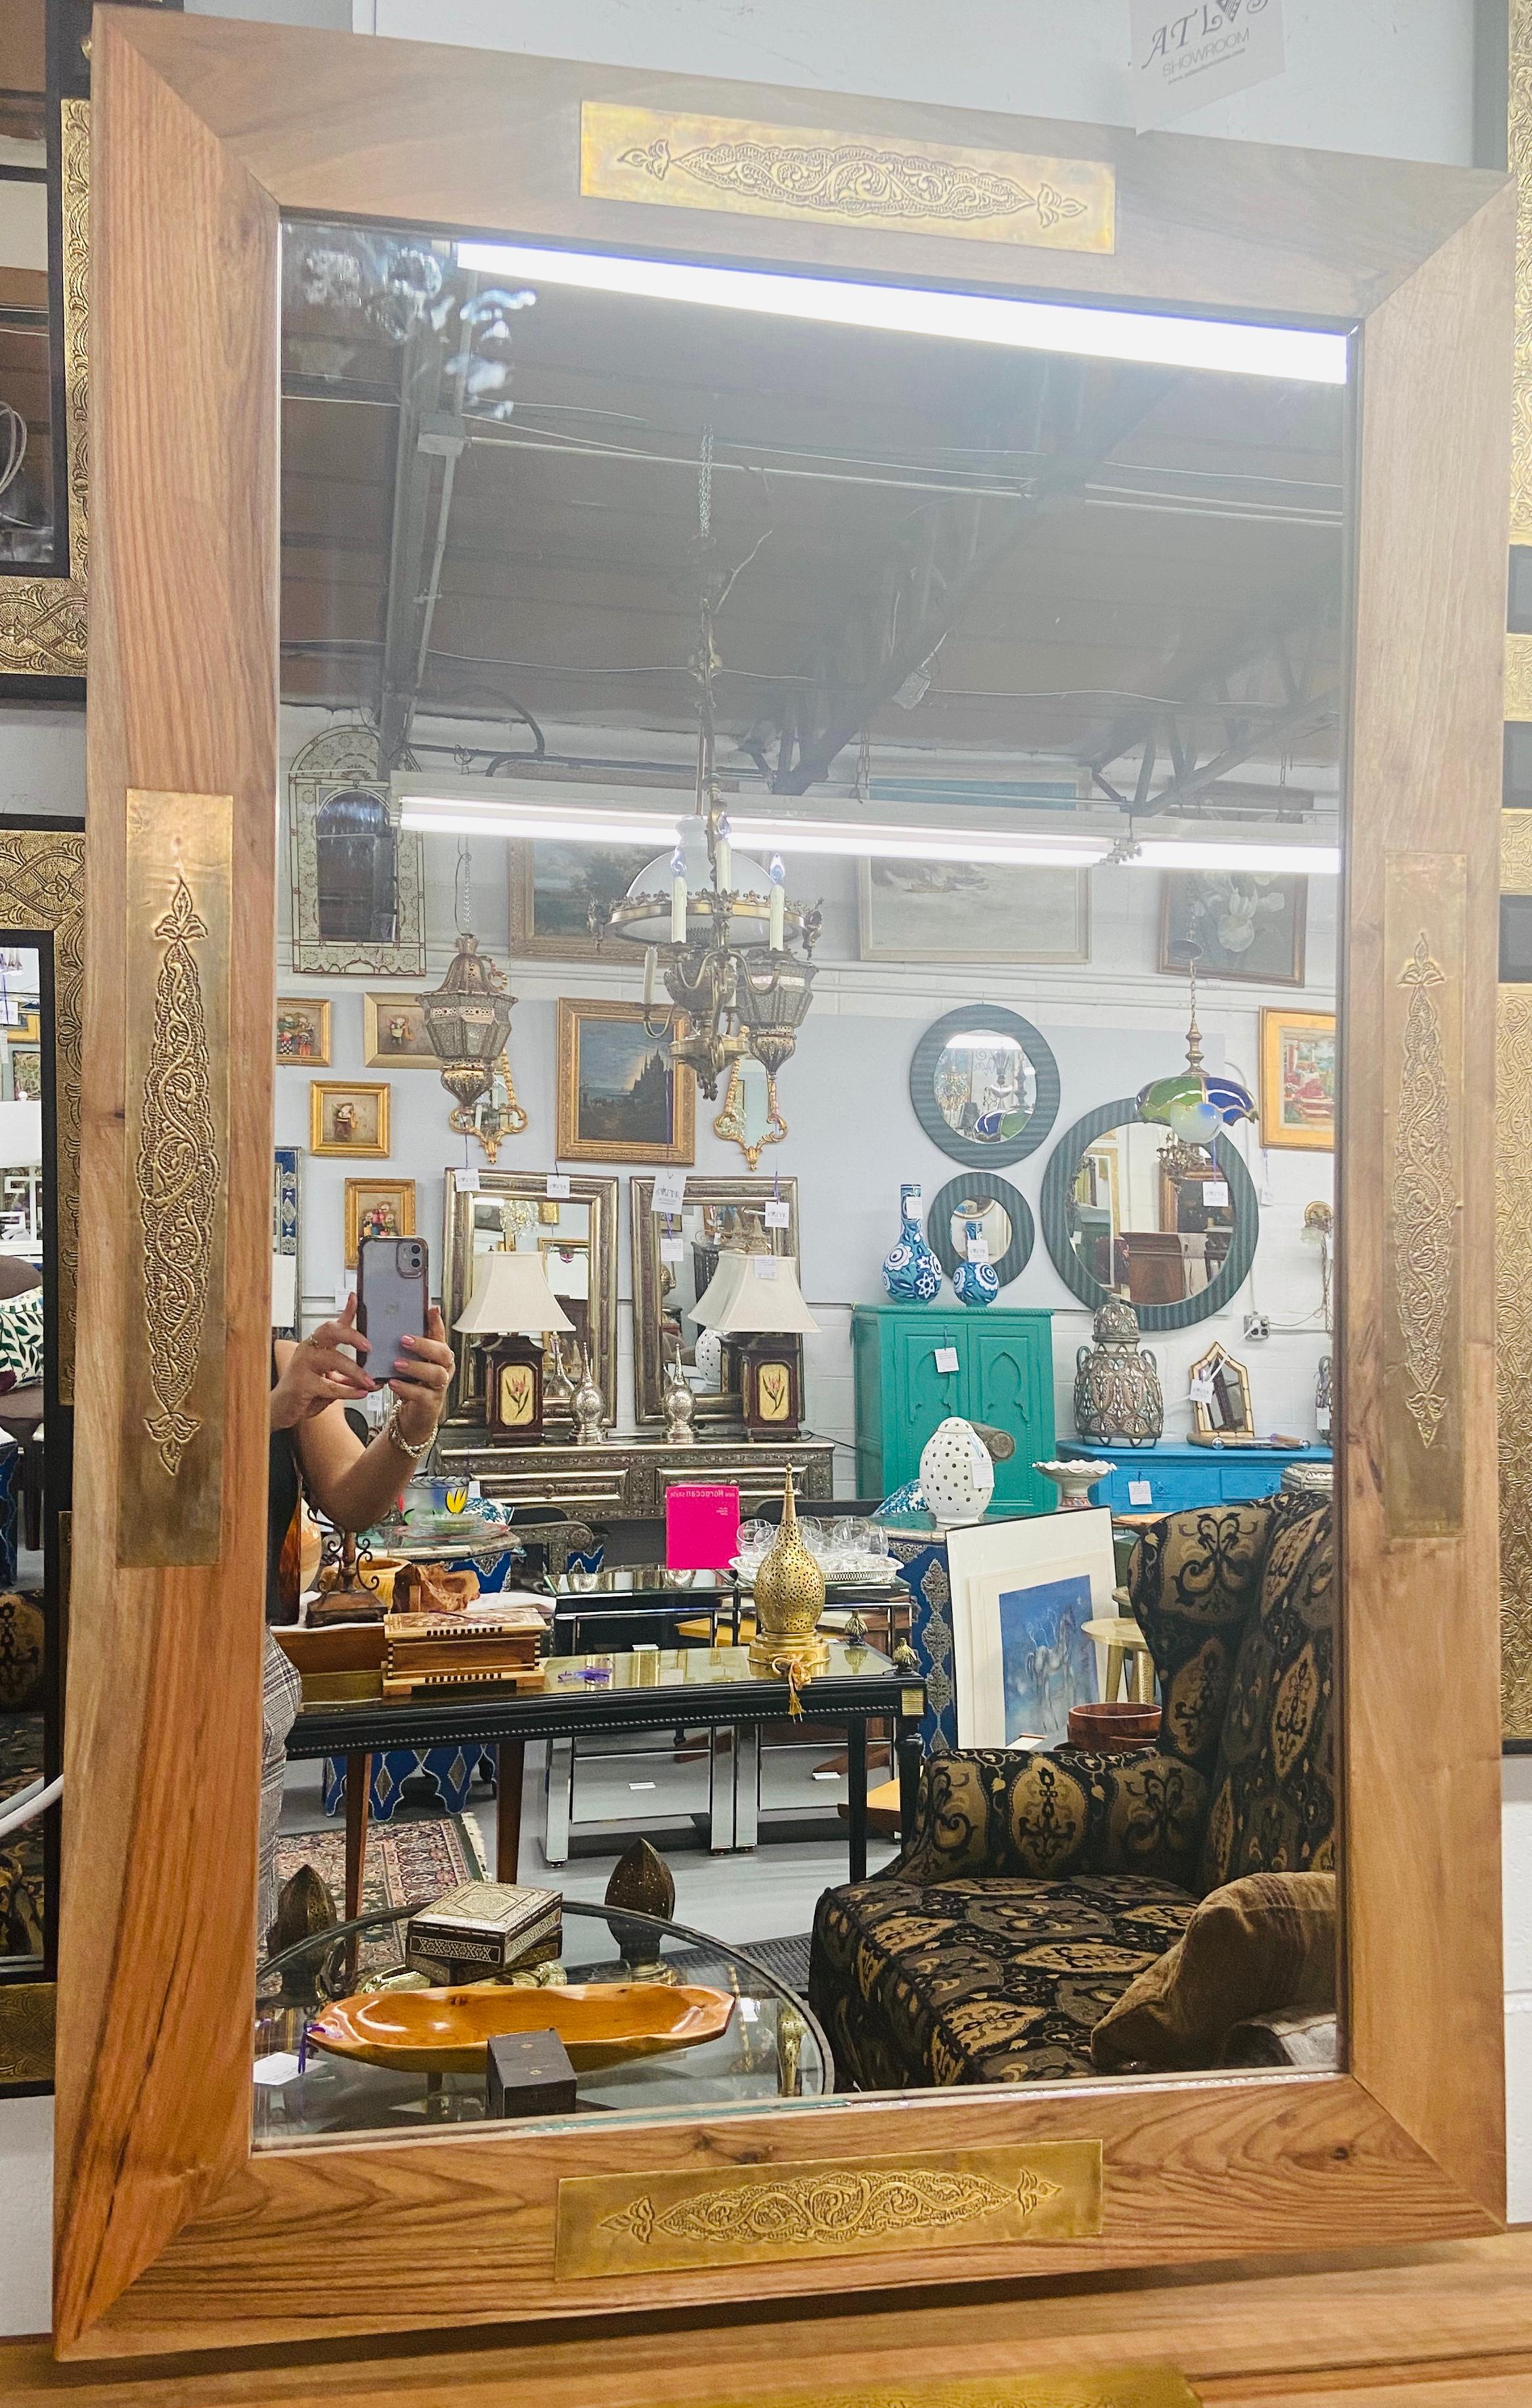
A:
[(1036, 1885)]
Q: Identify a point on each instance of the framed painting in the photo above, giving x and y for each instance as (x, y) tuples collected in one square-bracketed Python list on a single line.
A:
[(1297, 1080), (621, 1096), (303, 1030), (393, 1034), (378, 1208), (1238, 923), (553, 887), (350, 1119), (1023, 1593), (971, 911)]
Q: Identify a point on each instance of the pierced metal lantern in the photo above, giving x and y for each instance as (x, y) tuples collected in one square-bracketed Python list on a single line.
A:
[(468, 1020)]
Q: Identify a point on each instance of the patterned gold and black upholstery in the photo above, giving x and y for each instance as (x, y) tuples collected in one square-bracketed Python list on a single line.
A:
[(1036, 1887)]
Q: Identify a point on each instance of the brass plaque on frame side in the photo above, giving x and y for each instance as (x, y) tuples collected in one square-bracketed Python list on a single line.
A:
[(178, 936), (886, 183), (1063, 2387), (749, 2216), (1513, 1349), (27, 2010), (1516, 850), (1424, 895), (1519, 133)]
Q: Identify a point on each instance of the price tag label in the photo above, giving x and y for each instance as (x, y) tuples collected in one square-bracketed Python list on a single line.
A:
[(1321, 1423), (467, 1182), (763, 1266), (669, 1191), (344, 1294), (1139, 1491), (978, 1249), (776, 1215), (946, 1359), (558, 1184), (1201, 1391), (1215, 1190), (672, 1250)]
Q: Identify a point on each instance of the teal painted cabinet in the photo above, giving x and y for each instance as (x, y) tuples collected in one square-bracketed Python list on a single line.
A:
[(1004, 1375)]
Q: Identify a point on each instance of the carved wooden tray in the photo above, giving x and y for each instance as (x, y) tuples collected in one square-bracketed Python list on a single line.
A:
[(448, 2031)]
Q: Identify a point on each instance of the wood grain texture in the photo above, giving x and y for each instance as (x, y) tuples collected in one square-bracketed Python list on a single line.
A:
[(169, 2237), (1420, 1660), (162, 1749), (473, 140)]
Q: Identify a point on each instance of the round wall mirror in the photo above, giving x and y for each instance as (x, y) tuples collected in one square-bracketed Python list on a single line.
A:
[(999, 1211), (985, 1086), (1129, 1211)]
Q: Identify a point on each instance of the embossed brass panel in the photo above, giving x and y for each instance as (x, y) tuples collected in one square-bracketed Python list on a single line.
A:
[(1424, 896), (674, 160), (179, 874), (1519, 129), (27, 2013), (1513, 1300), (749, 2216), (1066, 2387), (42, 618)]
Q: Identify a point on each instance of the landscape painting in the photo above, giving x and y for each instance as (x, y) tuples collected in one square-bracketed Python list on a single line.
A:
[(553, 887), (971, 911), (621, 1098)]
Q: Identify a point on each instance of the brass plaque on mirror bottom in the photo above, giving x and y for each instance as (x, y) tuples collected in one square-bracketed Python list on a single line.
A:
[(1062, 2387), (1424, 917), (880, 183), (176, 1151), (742, 2216)]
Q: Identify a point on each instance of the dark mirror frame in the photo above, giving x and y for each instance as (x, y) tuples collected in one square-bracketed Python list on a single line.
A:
[(1024, 1232), (1232, 1272), (922, 1068)]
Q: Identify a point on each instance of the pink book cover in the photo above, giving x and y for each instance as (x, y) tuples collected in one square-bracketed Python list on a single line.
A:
[(701, 1530)]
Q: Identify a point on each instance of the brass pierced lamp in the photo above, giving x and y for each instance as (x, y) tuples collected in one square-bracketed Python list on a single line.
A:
[(756, 1305), (468, 1020), (514, 1304)]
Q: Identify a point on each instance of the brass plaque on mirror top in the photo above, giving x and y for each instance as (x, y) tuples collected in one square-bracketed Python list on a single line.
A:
[(749, 2215), (1424, 898), (1062, 2387), (886, 183), (177, 1153)]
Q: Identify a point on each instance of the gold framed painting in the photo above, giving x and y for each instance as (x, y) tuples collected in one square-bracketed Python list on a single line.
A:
[(621, 1096), (1298, 1080), (378, 1208), (348, 1117), (303, 1030), (551, 887), (393, 1033)]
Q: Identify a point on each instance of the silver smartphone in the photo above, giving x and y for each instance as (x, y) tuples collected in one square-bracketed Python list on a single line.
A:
[(393, 1300)]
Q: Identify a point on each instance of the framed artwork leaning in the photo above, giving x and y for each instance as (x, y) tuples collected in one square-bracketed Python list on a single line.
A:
[(348, 1117), (378, 1208), (1297, 1080), (303, 1030), (1022, 1592), (1239, 923), (393, 1034), (621, 1096)]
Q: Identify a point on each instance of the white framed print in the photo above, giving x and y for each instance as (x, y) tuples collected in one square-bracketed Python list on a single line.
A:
[(1022, 1592)]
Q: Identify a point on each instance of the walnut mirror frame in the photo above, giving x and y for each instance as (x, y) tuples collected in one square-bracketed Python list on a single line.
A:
[(597, 1192), (170, 2234), (725, 1412)]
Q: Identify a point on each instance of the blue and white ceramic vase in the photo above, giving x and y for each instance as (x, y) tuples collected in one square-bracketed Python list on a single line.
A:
[(975, 1283), (912, 1273)]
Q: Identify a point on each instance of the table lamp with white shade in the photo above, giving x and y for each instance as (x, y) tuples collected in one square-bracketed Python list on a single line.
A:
[(756, 1305), (514, 1305)]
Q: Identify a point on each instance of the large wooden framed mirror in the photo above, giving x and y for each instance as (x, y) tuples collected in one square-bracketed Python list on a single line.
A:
[(174, 2232)]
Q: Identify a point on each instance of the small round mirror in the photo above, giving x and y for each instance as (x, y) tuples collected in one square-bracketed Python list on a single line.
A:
[(985, 1086), (993, 1209)]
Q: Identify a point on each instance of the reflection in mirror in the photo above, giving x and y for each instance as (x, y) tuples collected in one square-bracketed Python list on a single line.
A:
[(515, 506), (29, 420), (25, 1692)]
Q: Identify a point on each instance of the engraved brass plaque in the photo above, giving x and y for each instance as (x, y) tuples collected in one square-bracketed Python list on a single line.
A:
[(1063, 2387), (178, 936), (1424, 895), (891, 182), (739, 2215), (27, 2010)]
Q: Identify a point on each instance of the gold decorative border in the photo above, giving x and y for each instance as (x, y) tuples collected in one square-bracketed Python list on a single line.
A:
[(43, 619), (1513, 1349), (1423, 920), (892, 183), (27, 2013), (754, 2215), (179, 881), (42, 888), (1519, 136)]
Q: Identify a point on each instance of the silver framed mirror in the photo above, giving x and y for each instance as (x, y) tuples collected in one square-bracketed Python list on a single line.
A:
[(666, 1286), (575, 1235)]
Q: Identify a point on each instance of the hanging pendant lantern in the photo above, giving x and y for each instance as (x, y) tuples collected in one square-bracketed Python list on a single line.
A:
[(468, 1020), (1196, 1105)]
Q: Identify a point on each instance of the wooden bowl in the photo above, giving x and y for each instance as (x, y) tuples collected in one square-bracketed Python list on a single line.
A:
[(1113, 1727), (448, 2031)]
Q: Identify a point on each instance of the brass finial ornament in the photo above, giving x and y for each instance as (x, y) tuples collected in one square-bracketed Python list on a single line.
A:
[(789, 1600)]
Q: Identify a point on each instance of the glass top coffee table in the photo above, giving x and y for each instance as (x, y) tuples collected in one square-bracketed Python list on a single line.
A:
[(771, 2048)]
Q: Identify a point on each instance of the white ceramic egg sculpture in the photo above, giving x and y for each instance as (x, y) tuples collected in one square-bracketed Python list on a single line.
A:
[(957, 1476)]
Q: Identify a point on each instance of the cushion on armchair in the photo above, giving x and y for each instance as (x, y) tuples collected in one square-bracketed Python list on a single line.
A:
[(1196, 1580), (1011, 1812), (1260, 1946)]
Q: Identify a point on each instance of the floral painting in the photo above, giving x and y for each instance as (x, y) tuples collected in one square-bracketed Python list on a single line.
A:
[(1237, 924)]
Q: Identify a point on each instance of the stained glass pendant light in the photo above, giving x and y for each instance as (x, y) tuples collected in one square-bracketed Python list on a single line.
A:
[(1196, 1105)]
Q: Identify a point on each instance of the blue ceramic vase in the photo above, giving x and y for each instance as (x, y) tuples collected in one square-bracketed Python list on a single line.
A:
[(911, 1273), (975, 1284)]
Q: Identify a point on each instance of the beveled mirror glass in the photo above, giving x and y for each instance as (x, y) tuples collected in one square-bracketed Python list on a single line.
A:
[(675, 1255), (574, 1237)]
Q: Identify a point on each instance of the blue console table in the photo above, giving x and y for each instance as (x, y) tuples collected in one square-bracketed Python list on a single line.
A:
[(1182, 1476)]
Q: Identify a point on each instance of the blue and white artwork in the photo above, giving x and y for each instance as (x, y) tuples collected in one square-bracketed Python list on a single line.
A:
[(1047, 1662)]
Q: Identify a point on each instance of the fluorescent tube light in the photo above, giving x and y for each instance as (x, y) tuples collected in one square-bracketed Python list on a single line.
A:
[(1301, 860), (1300, 354)]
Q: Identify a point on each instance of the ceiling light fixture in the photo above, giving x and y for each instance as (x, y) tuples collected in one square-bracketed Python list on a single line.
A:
[(1298, 355)]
